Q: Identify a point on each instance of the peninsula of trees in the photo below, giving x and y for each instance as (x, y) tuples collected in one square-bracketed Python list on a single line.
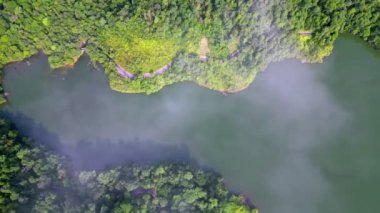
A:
[(145, 45), (36, 179)]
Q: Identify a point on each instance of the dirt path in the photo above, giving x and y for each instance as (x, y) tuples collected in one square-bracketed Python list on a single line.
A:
[(305, 33), (159, 71), (124, 72), (233, 55), (204, 50)]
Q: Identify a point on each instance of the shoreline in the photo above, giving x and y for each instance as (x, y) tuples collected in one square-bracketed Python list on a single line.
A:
[(163, 69), (132, 76)]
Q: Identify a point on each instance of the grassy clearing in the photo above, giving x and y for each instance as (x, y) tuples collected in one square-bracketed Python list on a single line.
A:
[(139, 51)]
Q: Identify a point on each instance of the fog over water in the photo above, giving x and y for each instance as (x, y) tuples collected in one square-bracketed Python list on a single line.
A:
[(302, 138)]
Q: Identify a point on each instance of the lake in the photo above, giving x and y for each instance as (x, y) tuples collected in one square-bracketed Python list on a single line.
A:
[(302, 138)]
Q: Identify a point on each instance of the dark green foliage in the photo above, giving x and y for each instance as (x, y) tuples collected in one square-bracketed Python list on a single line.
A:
[(27, 172), (34, 179)]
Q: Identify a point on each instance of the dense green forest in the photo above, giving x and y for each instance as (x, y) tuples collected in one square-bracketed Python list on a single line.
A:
[(35, 179), (145, 45)]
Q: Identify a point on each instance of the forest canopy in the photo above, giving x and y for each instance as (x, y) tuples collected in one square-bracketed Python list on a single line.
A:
[(145, 45), (33, 178)]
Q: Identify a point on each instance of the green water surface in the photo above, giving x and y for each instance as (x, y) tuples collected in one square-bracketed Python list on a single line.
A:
[(302, 139)]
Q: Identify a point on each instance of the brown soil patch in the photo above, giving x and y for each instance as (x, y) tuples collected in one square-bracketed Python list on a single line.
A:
[(232, 46), (203, 47)]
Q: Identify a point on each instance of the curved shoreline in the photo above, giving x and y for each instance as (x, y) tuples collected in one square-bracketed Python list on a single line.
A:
[(125, 73)]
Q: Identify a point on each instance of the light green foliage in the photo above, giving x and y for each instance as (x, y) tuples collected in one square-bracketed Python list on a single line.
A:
[(188, 176), (108, 178), (46, 22), (124, 208), (2, 100), (234, 206), (46, 203), (139, 51)]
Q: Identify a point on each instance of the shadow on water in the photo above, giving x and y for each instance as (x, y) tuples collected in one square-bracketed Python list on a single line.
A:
[(102, 154), (27, 126)]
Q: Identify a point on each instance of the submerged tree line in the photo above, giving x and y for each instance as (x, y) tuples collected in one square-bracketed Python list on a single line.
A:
[(218, 44), (33, 178)]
